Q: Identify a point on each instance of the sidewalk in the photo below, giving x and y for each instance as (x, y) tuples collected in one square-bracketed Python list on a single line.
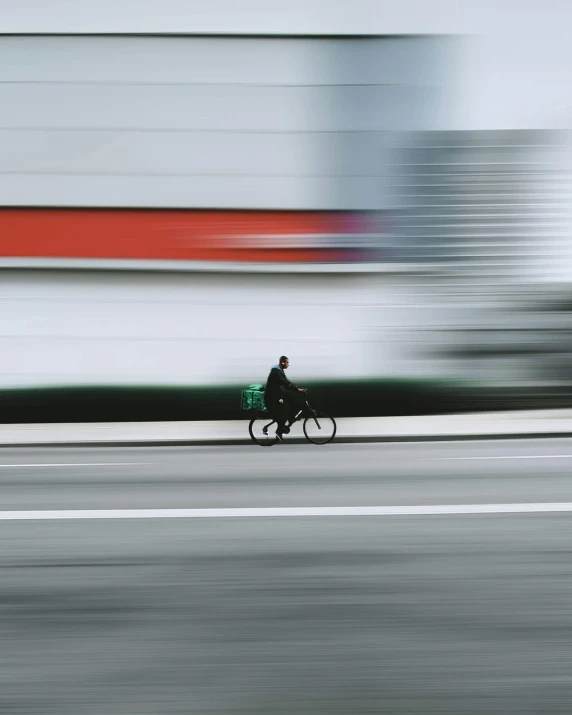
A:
[(350, 429)]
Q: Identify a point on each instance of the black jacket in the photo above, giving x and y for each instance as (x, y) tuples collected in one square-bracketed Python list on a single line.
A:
[(277, 385)]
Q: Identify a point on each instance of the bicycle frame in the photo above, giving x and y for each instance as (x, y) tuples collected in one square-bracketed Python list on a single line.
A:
[(306, 415), (300, 412)]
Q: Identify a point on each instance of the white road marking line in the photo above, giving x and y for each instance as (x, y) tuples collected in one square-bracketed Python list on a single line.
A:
[(293, 511), (70, 464), (509, 456)]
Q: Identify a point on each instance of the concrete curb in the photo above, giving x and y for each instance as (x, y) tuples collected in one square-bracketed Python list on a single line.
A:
[(249, 443), (501, 425)]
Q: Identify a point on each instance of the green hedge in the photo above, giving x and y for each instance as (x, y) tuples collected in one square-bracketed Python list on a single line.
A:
[(342, 398)]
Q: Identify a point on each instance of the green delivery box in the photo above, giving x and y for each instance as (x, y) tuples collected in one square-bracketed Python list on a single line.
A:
[(253, 398)]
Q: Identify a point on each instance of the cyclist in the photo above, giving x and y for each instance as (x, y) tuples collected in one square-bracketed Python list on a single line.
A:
[(283, 399)]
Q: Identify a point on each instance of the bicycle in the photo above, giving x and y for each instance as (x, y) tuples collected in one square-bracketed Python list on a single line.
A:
[(319, 426)]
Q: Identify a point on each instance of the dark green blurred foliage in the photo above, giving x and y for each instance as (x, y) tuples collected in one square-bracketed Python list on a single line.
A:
[(350, 398)]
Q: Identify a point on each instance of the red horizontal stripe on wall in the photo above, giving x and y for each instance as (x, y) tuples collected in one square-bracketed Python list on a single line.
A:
[(159, 235)]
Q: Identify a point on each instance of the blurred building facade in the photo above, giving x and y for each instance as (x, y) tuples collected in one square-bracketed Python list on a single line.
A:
[(173, 204), (296, 123)]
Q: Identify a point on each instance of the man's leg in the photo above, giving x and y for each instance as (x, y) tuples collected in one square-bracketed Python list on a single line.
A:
[(281, 415), (296, 403)]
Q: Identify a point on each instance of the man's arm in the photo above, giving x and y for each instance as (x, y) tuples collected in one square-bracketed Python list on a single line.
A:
[(282, 380), (285, 383)]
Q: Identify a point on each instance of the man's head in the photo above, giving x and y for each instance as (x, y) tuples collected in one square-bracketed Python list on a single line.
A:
[(284, 362)]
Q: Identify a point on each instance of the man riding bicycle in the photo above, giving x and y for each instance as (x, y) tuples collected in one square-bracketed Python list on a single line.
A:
[(283, 399)]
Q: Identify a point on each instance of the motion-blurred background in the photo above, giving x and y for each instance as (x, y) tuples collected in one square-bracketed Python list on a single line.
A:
[(379, 190)]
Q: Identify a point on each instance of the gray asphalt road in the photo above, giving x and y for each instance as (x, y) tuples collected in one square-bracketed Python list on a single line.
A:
[(440, 614)]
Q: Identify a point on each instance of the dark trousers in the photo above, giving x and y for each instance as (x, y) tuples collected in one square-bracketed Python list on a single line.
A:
[(282, 412), (294, 401), (279, 413)]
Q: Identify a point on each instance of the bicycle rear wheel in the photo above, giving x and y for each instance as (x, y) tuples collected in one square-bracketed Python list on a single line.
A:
[(261, 431), (320, 428)]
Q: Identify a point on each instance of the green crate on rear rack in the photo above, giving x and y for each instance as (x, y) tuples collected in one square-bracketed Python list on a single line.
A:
[(253, 398)]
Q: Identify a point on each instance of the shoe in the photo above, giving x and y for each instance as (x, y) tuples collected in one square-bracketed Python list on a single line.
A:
[(279, 438)]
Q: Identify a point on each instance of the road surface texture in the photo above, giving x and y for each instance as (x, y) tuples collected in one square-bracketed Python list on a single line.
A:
[(282, 615)]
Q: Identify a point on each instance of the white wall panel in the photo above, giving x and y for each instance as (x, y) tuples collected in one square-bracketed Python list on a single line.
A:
[(209, 192), (216, 107), (117, 329), (208, 122), (175, 153), (227, 60), (259, 16)]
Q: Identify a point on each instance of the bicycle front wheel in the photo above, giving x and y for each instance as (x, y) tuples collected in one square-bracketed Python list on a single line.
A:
[(320, 428), (261, 431)]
